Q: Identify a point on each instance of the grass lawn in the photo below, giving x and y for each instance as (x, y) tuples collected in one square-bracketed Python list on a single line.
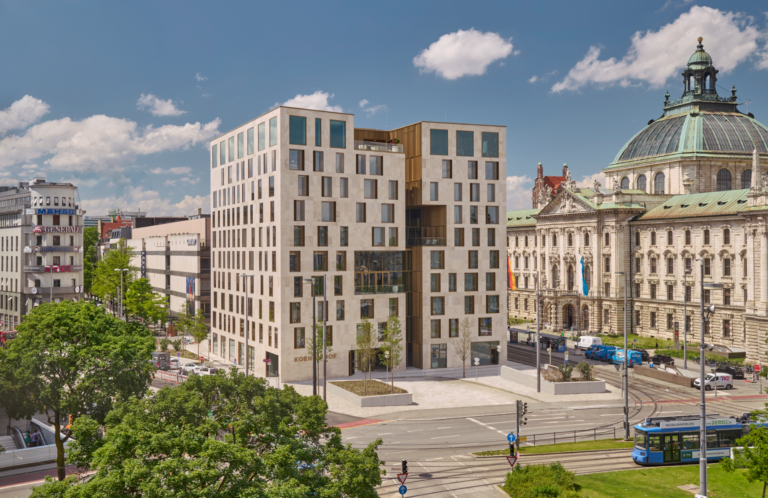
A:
[(375, 387), (601, 444), (642, 342), (658, 482)]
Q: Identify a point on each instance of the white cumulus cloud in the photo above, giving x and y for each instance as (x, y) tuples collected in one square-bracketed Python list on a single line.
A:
[(363, 103), (589, 181), (318, 101), (22, 113), (463, 53), (543, 77), (169, 183), (181, 170), (190, 181), (519, 192), (158, 107), (656, 56), (371, 109), (150, 201), (200, 78)]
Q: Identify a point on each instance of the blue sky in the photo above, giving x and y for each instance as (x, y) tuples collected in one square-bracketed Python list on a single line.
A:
[(122, 97)]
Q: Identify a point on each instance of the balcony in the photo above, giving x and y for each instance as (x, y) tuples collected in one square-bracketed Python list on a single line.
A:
[(378, 146), (379, 289), (43, 292), (42, 269), (424, 236)]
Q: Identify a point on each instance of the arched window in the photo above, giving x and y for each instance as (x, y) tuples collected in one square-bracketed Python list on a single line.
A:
[(571, 275), (625, 183), (586, 239), (554, 239), (707, 82), (690, 83), (658, 183), (637, 239), (727, 236), (746, 178), (588, 276), (723, 180), (555, 277), (570, 240), (641, 181)]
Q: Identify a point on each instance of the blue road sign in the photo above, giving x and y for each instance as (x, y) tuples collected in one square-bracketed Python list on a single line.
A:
[(403, 489), (511, 438)]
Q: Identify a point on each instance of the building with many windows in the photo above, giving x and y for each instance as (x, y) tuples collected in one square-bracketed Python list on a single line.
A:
[(687, 201), (41, 237), (402, 222)]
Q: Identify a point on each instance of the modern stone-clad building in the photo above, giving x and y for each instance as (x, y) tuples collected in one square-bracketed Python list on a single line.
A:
[(41, 237), (686, 196), (401, 222)]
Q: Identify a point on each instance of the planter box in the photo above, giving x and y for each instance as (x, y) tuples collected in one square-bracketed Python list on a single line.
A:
[(401, 399), (580, 387)]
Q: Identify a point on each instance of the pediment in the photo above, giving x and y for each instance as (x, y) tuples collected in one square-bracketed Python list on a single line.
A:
[(566, 203)]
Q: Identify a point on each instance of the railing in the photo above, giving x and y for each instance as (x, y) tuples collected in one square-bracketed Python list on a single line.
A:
[(41, 268), (18, 438), (572, 436), (44, 292), (557, 293), (378, 146), (379, 289), (205, 245), (424, 236)]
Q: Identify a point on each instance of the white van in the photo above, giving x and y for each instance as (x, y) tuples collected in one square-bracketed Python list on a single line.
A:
[(724, 381), (586, 342)]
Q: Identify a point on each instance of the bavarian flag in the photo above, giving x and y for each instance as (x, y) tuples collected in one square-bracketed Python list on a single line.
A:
[(583, 287), (511, 276)]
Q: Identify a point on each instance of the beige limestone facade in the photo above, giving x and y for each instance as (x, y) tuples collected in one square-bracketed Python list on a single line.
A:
[(301, 194)]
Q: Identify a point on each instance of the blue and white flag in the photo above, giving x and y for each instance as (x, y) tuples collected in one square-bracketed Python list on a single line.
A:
[(583, 287)]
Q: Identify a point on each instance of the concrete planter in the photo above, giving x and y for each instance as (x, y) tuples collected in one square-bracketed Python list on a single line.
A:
[(581, 387), (401, 399)]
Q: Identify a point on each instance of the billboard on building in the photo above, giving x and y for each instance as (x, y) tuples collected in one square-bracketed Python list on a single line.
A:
[(191, 295)]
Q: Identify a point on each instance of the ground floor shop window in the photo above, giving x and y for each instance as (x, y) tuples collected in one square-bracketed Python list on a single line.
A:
[(215, 343), (231, 350), (439, 355), (486, 352)]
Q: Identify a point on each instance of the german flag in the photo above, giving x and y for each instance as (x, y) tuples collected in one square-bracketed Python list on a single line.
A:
[(511, 276)]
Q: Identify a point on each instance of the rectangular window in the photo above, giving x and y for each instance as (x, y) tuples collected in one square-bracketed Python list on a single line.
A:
[(262, 136), (340, 310), (437, 260), (343, 187), (370, 189), (339, 162), (469, 305), (485, 326), (472, 170), (465, 143), (341, 260), (447, 169), (490, 144), (457, 192), (377, 165), (490, 281), (272, 132), (492, 237), (475, 237), (434, 282), (439, 355), (491, 170), (494, 259), (438, 142), (295, 313), (338, 288), (298, 337), (726, 267), (318, 132), (492, 304), (707, 267), (453, 327), (472, 259), (295, 160), (458, 237), (297, 130), (457, 214), (328, 211), (222, 153), (240, 145), (393, 237), (378, 236), (294, 261), (491, 190), (303, 184), (360, 166), (366, 308), (320, 261), (231, 149), (451, 282), (317, 161), (298, 237), (327, 187), (322, 236), (727, 297), (607, 264), (387, 213), (344, 236), (298, 210), (339, 135), (271, 186), (433, 191), (214, 156), (393, 190), (435, 329), (438, 305), (474, 192), (470, 282), (360, 212)]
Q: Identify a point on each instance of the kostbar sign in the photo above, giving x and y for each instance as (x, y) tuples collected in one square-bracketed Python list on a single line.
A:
[(56, 229), (56, 249), (55, 211)]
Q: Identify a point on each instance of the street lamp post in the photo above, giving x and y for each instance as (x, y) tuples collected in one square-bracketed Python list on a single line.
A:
[(685, 319), (311, 281), (705, 315), (325, 341), (626, 364), (247, 309), (538, 327), (120, 293)]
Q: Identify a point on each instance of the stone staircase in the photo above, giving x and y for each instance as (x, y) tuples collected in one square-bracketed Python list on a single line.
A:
[(7, 443)]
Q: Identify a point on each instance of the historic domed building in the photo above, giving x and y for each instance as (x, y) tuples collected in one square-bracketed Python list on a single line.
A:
[(685, 196)]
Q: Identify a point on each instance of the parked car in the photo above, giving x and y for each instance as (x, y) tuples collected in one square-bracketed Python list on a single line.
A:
[(662, 358), (206, 371), (161, 361), (189, 368), (586, 342), (175, 365), (724, 381), (643, 353), (735, 372)]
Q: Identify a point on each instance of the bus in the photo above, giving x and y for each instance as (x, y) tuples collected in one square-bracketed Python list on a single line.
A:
[(674, 440)]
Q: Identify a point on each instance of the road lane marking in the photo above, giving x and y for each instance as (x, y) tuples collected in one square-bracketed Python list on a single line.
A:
[(477, 421), (418, 430), (443, 437), (385, 434), (439, 428)]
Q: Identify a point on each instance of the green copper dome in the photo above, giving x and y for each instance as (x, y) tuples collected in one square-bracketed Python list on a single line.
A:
[(700, 59)]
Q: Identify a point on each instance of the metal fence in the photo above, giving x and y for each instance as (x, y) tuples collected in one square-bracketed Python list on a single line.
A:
[(570, 436)]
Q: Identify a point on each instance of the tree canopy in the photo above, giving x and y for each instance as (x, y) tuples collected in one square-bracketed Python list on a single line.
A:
[(106, 282), (72, 359), (224, 435), (754, 455), (90, 240), (142, 301)]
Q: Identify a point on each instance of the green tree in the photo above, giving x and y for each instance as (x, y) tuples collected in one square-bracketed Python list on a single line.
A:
[(106, 282), (199, 329), (463, 345), (367, 341), (225, 435), (184, 321), (319, 352), (754, 457), (72, 359), (392, 346), (143, 302), (90, 255)]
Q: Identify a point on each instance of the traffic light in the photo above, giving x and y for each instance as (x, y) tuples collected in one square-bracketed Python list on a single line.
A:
[(522, 409), (404, 467)]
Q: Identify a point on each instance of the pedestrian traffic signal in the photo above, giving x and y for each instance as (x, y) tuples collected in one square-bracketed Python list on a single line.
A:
[(404, 467)]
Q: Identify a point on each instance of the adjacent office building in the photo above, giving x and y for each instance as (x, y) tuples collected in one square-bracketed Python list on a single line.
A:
[(403, 222), (41, 237)]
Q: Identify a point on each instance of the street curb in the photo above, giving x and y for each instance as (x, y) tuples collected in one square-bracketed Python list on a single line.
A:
[(558, 453), (498, 488)]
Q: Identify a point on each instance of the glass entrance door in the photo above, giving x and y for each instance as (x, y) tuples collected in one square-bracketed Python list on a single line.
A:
[(671, 448)]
